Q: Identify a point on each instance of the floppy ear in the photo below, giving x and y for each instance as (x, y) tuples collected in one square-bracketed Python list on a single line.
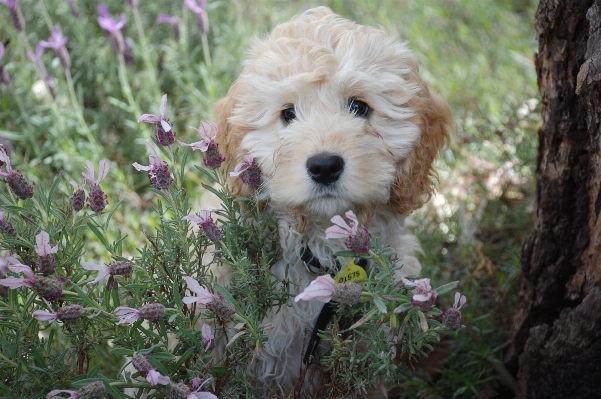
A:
[(415, 180), (229, 138)]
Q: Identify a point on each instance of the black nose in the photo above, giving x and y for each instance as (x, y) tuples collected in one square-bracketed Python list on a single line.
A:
[(325, 169)]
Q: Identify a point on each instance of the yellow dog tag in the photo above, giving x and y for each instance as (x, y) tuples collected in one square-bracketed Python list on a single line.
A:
[(351, 272)]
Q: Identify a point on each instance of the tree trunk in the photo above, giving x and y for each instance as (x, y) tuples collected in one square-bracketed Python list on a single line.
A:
[(556, 334)]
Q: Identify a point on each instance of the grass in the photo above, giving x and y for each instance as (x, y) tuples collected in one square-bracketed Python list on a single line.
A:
[(476, 54)]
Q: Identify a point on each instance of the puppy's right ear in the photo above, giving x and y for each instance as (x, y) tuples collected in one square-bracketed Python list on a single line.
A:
[(229, 137)]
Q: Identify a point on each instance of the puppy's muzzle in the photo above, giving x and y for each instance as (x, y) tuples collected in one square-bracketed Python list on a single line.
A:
[(325, 169)]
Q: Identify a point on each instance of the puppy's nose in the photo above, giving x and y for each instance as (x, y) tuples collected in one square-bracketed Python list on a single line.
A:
[(324, 168)]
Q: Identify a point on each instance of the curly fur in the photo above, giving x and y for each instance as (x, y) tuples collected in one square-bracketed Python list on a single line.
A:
[(317, 62)]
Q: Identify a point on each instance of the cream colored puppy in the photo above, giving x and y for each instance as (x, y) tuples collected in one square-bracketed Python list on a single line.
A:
[(337, 118)]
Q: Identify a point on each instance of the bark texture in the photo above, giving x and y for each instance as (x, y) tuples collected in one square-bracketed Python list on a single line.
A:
[(556, 334)]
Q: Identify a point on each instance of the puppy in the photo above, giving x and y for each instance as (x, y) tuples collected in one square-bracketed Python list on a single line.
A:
[(337, 118)]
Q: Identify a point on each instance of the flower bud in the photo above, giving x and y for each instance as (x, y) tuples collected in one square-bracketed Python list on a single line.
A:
[(141, 363), (152, 311), (78, 200), (70, 312), (121, 268), (359, 243), (95, 390), (19, 185), (47, 288), (160, 177), (211, 230), (17, 17), (213, 158), (97, 200), (452, 318), (162, 137), (223, 309), (179, 391), (347, 293), (252, 176), (7, 228), (46, 265)]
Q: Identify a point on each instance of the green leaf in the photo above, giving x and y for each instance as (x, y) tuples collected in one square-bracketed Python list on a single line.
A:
[(122, 352), (110, 215), (380, 304), (218, 371), (388, 251), (443, 289), (52, 191), (86, 299), (345, 253), (99, 234)]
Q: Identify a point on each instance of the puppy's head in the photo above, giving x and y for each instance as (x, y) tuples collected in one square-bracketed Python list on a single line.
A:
[(336, 117)]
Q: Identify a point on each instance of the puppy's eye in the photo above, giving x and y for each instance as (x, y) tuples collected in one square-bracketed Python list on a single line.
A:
[(288, 115), (358, 108)]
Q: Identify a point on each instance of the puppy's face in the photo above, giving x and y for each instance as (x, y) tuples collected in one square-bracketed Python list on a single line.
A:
[(336, 117)]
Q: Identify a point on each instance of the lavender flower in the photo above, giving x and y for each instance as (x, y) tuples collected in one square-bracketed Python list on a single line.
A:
[(7, 227), (94, 390), (152, 311), (452, 317), (347, 293), (182, 391), (74, 9), (204, 296), (248, 171), (66, 313), (78, 200), (158, 172), (164, 130), (210, 229), (112, 27), (47, 288), (144, 367), (202, 20), (213, 158), (20, 187), (424, 296), (173, 21), (46, 263), (207, 335), (97, 199), (357, 240), (15, 14), (57, 41), (321, 289), (119, 268)]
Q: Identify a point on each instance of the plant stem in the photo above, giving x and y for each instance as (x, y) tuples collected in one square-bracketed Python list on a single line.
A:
[(45, 14), (146, 55), (79, 111)]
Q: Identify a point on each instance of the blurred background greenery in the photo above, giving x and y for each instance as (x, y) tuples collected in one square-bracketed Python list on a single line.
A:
[(478, 54)]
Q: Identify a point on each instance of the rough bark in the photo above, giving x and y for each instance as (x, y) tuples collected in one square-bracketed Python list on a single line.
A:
[(556, 334)]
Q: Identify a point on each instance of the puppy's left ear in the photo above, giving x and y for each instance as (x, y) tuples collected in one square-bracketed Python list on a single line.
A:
[(229, 137), (415, 180)]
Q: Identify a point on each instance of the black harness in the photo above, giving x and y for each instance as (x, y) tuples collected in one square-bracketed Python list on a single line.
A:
[(313, 266)]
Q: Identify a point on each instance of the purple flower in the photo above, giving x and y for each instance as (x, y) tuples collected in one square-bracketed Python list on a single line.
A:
[(15, 180), (119, 268), (57, 41), (164, 130), (73, 7), (94, 390), (357, 240), (112, 27), (47, 288), (208, 336), (210, 229), (213, 158), (424, 296), (202, 20), (15, 14), (144, 367), (66, 313), (158, 172), (78, 200), (204, 296), (173, 21), (152, 311), (452, 317), (46, 263), (321, 289), (181, 391), (248, 171), (6, 227), (97, 199)]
